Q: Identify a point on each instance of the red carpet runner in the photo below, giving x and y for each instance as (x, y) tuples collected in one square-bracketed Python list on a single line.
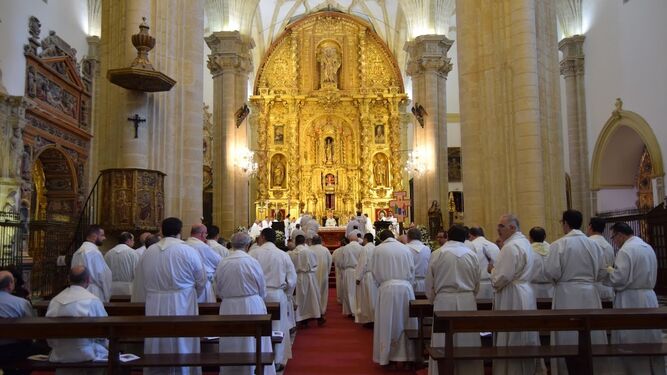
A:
[(338, 347)]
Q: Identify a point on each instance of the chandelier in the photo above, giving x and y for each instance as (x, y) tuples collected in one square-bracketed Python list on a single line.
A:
[(416, 164), (244, 160)]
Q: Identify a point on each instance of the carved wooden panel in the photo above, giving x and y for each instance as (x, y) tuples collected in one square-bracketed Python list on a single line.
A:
[(132, 199)]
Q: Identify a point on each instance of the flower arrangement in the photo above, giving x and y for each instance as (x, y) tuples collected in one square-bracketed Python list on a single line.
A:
[(280, 237), (241, 228), (426, 237)]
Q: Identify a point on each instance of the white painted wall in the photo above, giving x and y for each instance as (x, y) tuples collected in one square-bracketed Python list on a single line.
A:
[(68, 18), (616, 199), (626, 57)]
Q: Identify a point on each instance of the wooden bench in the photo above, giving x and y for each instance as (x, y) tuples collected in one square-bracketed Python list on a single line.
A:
[(582, 321), (117, 328), (422, 309)]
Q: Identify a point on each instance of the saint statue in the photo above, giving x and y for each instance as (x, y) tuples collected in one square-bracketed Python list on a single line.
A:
[(380, 172), (328, 150), (434, 219), (330, 61), (278, 174)]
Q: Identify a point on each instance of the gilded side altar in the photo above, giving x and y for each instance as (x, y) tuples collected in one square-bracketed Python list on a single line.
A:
[(328, 120)]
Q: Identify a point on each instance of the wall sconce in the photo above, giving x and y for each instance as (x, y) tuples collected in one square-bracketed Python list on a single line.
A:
[(416, 164), (244, 160)]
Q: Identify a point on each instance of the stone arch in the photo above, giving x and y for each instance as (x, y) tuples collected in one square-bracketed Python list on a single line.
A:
[(619, 149), (55, 185)]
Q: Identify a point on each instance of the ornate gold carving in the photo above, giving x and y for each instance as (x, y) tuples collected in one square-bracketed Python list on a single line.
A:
[(328, 111)]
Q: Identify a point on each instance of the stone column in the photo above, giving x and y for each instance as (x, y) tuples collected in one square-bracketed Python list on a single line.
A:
[(572, 70), (510, 124), (230, 63), (428, 65), (170, 141)]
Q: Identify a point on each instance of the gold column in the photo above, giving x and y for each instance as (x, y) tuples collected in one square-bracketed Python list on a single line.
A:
[(230, 62), (572, 70), (428, 66)]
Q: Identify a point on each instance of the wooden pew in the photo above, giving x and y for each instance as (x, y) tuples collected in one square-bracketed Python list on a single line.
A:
[(583, 321), (117, 328), (422, 308)]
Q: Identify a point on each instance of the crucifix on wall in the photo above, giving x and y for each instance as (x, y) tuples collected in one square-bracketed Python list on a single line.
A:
[(136, 120)]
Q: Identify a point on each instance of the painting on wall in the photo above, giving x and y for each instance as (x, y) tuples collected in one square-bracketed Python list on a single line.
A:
[(279, 136), (379, 134), (454, 163)]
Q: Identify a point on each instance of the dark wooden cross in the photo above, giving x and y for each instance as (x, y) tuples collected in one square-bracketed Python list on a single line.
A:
[(136, 120)]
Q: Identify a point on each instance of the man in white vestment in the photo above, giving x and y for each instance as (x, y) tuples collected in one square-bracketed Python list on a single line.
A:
[(575, 264), (13, 307), (452, 281), (173, 278), (369, 225), (353, 224), (324, 260), (307, 288), (594, 232), (487, 252), (138, 291), (330, 222), (367, 290), (212, 241), (210, 259), (266, 223), (89, 256), (255, 229), (122, 260), (335, 257), (511, 275), (393, 269), (142, 240), (240, 284), (361, 219), (543, 285), (633, 277), (280, 277), (347, 262), (297, 231), (286, 223), (441, 238), (421, 255), (76, 301)]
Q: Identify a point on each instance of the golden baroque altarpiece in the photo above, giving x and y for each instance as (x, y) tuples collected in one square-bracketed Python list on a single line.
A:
[(328, 120)]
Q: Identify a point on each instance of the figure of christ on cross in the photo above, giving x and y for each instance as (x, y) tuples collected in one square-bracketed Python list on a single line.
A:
[(136, 120)]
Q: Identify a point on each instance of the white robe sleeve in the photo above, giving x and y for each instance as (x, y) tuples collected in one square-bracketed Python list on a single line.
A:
[(621, 274), (138, 286), (290, 277), (552, 266), (504, 269), (430, 272)]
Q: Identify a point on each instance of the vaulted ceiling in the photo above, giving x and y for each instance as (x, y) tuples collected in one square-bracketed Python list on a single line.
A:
[(396, 21)]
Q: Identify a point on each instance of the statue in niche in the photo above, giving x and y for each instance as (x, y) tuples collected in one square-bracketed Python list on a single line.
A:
[(278, 173), (434, 219), (329, 150), (380, 171), (330, 62)]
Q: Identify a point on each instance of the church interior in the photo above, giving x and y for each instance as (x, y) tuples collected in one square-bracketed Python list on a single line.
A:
[(230, 112)]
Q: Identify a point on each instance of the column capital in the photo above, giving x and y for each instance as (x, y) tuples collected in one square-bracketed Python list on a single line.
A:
[(572, 62), (429, 53), (229, 51)]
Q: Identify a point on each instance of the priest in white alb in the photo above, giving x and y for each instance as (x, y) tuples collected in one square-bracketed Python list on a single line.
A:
[(575, 264), (210, 259), (173, 278), (324, 260), (633, 277), (393, 269), (240, 284), (212, 241), (511, 275), (335, 257), (89, 256), (307, 288), (367, 290), (421, 255), (347, 261), (122, 260), (487, 252), (595, 230), (543, 285), (452, 282), (280, 277)]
